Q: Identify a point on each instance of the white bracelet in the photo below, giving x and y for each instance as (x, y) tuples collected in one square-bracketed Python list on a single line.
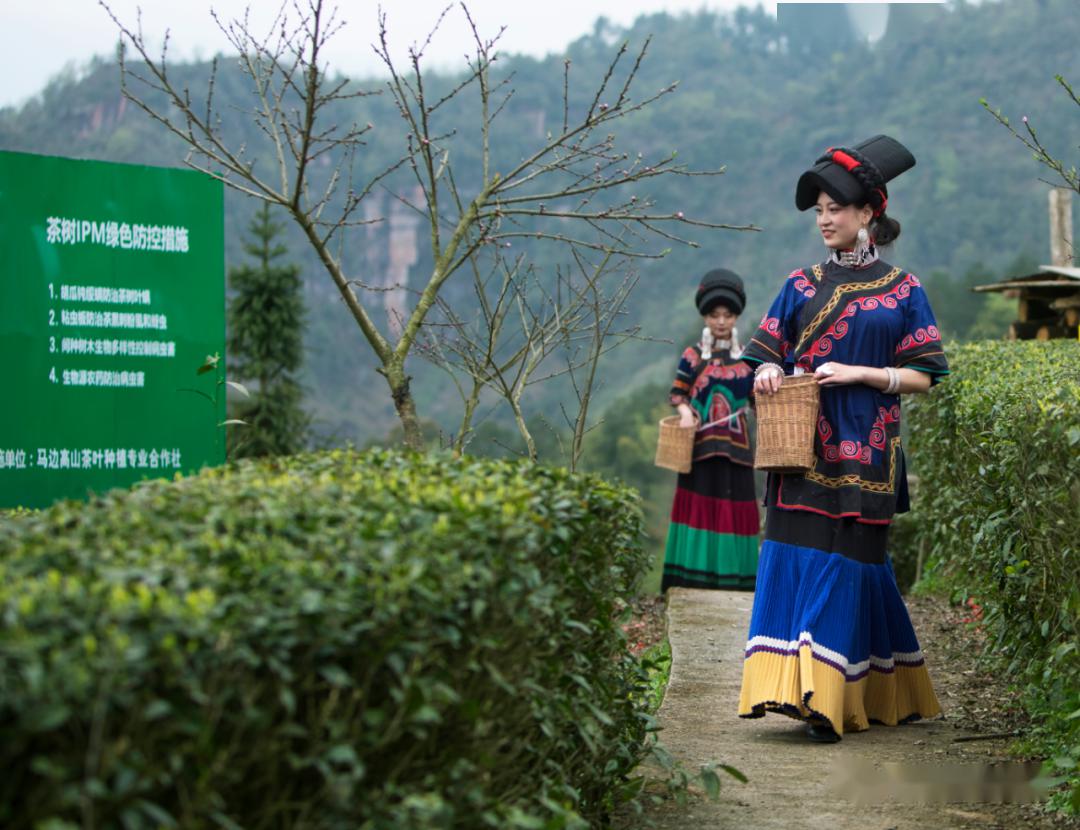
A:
[(763, 366), (894, 381)]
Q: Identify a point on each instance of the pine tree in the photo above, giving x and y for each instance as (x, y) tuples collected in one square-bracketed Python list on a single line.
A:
[(265, 346)]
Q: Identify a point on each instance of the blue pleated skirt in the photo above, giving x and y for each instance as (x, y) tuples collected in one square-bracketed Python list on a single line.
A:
[(830, 637)]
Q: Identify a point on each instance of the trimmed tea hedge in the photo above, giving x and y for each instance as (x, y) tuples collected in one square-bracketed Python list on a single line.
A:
[(997, 450), (336, 640)]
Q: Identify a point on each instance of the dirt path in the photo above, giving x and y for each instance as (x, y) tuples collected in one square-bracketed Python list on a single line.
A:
[(792, 782)]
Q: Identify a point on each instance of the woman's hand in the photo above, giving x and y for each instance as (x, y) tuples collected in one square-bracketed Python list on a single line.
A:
[(768, 380), (687, 417), (839, 374)]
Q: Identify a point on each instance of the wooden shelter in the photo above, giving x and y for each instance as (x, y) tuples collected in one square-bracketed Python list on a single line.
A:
[(1049, 299)]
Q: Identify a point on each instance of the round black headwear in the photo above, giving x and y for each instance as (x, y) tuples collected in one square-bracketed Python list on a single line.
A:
[(720, 286), (855, 175)]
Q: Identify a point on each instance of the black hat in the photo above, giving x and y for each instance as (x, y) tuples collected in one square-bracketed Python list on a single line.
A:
[(720, 286), (856, 175)]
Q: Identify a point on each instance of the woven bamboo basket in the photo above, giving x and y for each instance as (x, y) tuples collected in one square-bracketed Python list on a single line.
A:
[(675, 447), (786, 422)]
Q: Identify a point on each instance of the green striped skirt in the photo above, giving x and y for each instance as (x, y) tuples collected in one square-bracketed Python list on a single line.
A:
[(713, 536)]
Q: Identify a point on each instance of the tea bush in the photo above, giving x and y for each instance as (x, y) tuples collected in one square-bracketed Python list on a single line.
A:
[(997, 450), (333, 640)]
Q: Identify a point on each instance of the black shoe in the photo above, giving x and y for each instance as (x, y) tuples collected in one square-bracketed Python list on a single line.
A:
[(821, 733)]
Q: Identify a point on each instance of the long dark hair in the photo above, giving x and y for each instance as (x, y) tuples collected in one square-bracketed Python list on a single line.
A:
[(884, 229)]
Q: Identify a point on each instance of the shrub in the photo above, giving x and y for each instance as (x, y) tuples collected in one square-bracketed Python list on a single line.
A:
[(904, 548), (996, 450), (15, 513), (335, 640)]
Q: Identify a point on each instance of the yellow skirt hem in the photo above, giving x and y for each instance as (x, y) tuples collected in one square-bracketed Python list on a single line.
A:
[(802, 687)]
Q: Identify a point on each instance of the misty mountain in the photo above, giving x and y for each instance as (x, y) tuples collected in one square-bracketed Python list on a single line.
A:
[(758, 96)]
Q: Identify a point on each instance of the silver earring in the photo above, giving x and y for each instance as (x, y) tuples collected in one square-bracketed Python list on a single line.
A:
[(707, 341), (860, 253)]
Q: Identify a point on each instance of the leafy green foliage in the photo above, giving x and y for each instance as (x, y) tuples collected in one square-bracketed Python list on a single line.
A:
[(330, 640), (265, 343), (995, 448), (623, 448), (656, 661)]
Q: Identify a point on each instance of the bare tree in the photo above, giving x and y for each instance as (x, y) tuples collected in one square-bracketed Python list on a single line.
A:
[(1030, 139), (572, 189), (528, 329)]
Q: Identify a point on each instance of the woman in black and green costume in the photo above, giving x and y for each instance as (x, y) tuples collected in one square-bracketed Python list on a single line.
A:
[(713, 536)]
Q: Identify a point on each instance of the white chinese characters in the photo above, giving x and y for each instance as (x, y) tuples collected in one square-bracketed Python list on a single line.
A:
[(109, 458), (113, 320), (104, 377), (129, 237)]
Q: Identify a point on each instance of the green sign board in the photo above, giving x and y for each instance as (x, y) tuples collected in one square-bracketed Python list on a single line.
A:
[(111, 297)]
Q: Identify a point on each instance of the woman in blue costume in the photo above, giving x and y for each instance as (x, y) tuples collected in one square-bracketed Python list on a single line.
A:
[(830, 639)]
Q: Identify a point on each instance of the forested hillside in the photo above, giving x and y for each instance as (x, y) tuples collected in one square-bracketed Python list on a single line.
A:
[(760, 98)]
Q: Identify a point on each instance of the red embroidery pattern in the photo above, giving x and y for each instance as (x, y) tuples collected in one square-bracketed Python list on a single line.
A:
[(920, 337), (824, 429), (771, 325), (856, 450), (877, 431), (823, 345), (717, 371), (802, 284), (846, 451), (727, 371)]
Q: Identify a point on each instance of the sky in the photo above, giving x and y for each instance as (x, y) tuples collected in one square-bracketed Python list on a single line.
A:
[(40, 39)]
